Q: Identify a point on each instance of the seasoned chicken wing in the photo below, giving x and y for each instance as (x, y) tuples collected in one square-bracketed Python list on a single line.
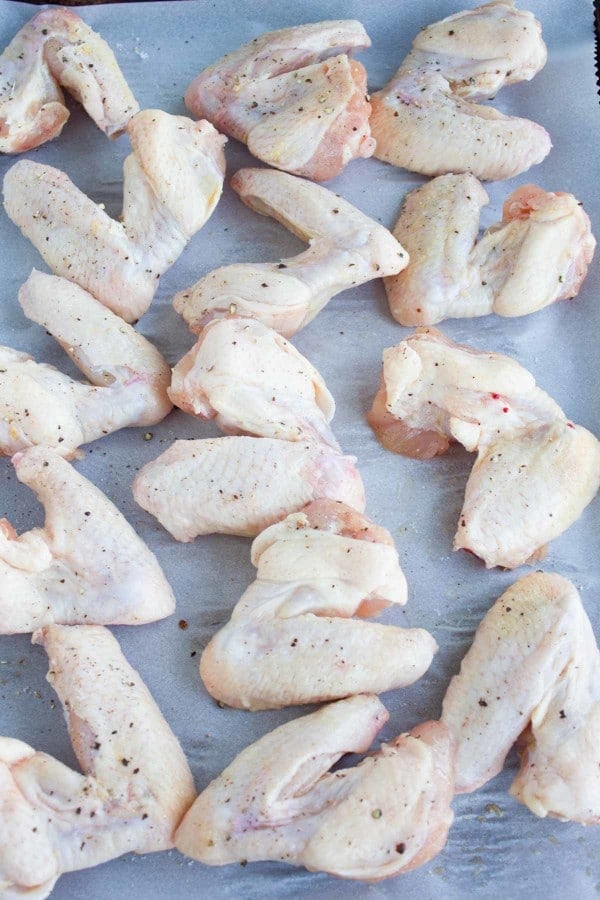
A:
[(136, 784), (241, 485), (293, 96), (278, 800), (292, 639), (537, 255), (535, 470), (425, 119), (532, 672), (57, 49), (171, 184), (40, 405), (252, 381), (347, 248), (85, 566)]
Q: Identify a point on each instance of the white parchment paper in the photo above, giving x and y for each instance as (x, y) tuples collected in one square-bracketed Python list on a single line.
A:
[(496, 846)]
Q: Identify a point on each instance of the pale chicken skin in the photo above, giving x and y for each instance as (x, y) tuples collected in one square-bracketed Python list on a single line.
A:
[(425, 119), (532, 675), (172, 182), (136, 783), (55, 50), (85, 566), (294, 97), (292, 639), (241, 485), (252, 381), (535, 470), (39, 405), (347, 248), (278, 799), (539, 253)]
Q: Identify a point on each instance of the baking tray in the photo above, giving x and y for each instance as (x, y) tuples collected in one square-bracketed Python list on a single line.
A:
[(496, 846)]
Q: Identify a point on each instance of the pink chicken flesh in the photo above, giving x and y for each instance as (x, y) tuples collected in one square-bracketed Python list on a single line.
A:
[(136, 784), (252, 381), (172, 182), (425, 119), (279, 800), (39, 405), (85, 566), (241, 485), (294, 97), (347, 248), (292, 637), (55, 50), (535, 470), (532, 675), (538, 254)]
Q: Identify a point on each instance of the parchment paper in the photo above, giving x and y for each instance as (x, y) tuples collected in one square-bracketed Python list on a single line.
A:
[(498, 850)]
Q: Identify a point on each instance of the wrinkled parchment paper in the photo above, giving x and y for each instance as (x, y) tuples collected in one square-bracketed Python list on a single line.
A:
[(496, 846)]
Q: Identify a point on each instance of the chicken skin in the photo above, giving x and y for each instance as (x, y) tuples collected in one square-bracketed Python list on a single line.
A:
[(535, 470), (347, 248), (537, 255), (85, 566), (533, 674), (292, 639), (252, 381), (279, 800), (425, 119), (172, 182), (294, 97), (39, 405), (241, 485), (136, 784), (55, 50)]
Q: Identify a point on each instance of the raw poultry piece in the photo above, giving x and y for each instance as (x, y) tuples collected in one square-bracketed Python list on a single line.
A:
[(252, 381), (136, 784), (293, 96), (85, 566), (292, 639), (538, 254), (171, 184), (279, 800), (532, 675), (425, 119), (347, 248), (40, 405), (55, 50), (241, 485), (535, 470)]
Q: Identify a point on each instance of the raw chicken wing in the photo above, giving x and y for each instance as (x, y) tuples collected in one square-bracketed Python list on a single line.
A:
[(292, 639), (241, 485), (85, 566), (252, 381), (279, 800), (535, 471), (347, 248), (293, 96), (57, 49), (533, 671), (136, 784), (39, 405), (538, 254), (425, 119), (171, 184)]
